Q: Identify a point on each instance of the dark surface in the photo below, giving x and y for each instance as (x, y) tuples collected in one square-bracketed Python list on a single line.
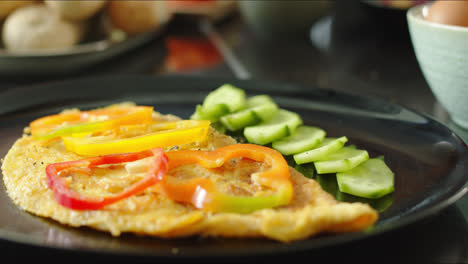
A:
[(357, 49)]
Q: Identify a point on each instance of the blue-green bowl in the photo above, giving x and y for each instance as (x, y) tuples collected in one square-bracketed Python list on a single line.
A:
[(442, 53)]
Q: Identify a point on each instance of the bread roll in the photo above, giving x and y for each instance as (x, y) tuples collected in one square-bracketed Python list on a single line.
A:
[(136, 17), (76, 10), (36, 27), (7, 6), (215, 10)]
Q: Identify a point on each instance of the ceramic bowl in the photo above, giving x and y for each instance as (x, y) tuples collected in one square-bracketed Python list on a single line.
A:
[(442, 54)]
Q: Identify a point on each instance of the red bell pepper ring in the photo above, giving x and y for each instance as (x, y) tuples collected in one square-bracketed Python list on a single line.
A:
[(73, 200)]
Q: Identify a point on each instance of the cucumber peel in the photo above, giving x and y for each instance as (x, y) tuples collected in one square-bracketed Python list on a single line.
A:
[(321, 151), (281, 125), (342, 160), (372, 179), (303, 139)]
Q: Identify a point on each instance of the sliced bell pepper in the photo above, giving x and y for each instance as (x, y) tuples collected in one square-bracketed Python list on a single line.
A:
[(203, 194), (167, 134), (73, 200), (54, 126)]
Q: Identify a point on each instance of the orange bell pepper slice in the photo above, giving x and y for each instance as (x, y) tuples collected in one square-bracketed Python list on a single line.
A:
[(203, 194), (53, 126)]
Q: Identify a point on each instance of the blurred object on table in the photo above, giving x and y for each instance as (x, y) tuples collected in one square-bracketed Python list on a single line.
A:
[(282, 18), (75, 10), (453, 13), (187, 54), (213, 9), (136, 17), (8, 6), (395, 4), (36, 28), (49, 26), (64, 37), (441, 51)]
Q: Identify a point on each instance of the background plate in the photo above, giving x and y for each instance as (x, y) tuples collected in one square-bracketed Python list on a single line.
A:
[(428, 159), (70, 60)]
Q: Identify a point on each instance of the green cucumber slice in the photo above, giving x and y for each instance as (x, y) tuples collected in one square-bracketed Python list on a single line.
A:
[(259, 100), (239, 120), (216, 112), (259, 108), (230, 96), (321, 151), (265, 112), (263, 106), (342, 160), (303, 139), (372, 179), (281, 125)]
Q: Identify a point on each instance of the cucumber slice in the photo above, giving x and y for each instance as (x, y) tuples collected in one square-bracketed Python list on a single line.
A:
[(239, 120), (342, 160), (265, 112), (321, 151), (372, 179), (216, 112), (263, 106), (259, 108), (230, 96), (304, 138), (281, 125), (259, 100)]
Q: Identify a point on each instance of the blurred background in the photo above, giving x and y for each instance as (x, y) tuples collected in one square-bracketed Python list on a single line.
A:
[(330, 44), (358, 47), (361, 47)]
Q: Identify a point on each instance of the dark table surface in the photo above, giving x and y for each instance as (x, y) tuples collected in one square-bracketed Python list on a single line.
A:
[(356, 48)]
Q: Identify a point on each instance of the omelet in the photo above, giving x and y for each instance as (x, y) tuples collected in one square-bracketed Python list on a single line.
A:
[(311, 212)]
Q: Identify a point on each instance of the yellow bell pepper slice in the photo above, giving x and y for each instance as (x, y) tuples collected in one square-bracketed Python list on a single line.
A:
[(167, 134)]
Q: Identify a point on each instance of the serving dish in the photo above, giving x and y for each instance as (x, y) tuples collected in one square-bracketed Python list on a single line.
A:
[(428, 159), (98, 47)]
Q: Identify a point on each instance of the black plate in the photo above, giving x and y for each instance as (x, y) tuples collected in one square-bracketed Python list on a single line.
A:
[(428, 159)]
